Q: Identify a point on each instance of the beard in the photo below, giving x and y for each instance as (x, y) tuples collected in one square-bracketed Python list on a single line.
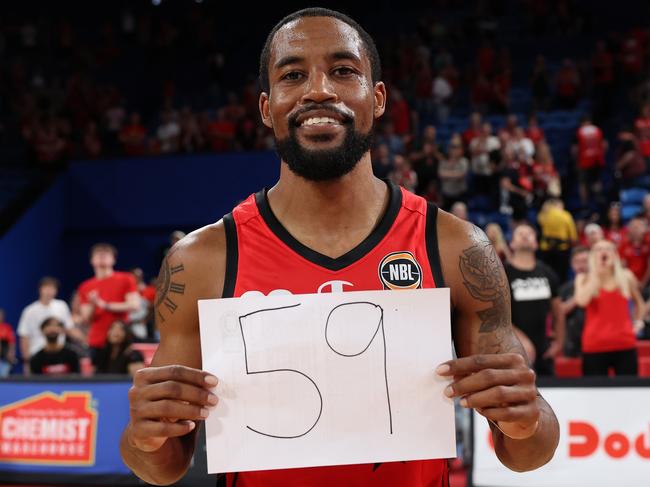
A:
[(323, 164)]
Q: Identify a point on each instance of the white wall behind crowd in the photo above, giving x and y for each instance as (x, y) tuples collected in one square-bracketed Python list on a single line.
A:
[(605, 441)]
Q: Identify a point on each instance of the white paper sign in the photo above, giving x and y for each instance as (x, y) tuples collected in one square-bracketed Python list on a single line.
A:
[(327, 379)]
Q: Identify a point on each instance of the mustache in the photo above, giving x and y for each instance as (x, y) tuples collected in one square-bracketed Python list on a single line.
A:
[(346, 117)]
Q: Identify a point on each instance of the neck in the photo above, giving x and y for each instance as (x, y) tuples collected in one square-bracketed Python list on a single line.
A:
[(45, 301), (335, 214), (52, 347), (523, 259), (102, 272)]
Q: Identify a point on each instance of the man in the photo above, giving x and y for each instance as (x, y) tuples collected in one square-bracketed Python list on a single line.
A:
[(7, 346), (107, 297), (635, 250), (328, 222), (558, 235), (574, 315), (533, 288), (54, 358), (589, 150), (29, 325)]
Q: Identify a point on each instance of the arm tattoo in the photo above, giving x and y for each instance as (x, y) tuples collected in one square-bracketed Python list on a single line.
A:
[(167, 286), (485, 280)]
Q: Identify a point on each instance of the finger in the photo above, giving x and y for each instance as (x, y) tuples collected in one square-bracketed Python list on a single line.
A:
[(173, 410), (474, 363), (499, 396), (147, 429), (488, 378), (518, 413), (178, 373), (179, 391)]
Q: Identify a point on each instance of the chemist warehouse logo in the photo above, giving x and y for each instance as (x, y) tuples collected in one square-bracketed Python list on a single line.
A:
[(400, 270), (49, 429)]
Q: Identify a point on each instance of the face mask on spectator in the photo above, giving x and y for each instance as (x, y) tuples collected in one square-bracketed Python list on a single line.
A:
[(51, 337)]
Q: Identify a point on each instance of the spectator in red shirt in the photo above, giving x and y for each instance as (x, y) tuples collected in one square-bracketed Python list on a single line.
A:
[(107, 297), (642, 127), (7, 346), (567, 84), (474, 130), (133, 136), (221, 132), (589, 150), (635, 250), (534, 132), (613, 225), (400, 113)]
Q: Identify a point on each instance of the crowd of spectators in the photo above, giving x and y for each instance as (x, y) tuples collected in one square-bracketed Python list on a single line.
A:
[(66, 110)]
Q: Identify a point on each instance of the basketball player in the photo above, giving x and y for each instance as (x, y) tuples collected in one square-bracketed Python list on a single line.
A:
[(326, 226)]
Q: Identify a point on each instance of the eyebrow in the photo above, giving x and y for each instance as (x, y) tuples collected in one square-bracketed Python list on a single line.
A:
[(338, 55)]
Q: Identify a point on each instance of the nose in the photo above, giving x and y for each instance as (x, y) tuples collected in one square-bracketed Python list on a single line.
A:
[(318, 89)]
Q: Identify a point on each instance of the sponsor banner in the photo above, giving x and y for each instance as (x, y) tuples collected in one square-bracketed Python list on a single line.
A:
[(604, 441), (62, 427)]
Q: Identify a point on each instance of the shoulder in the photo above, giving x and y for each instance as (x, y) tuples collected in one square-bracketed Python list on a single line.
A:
[(547, 271), (200, 259), (466, 254), (87, 284)]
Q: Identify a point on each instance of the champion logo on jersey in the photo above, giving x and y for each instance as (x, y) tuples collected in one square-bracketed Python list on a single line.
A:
[(400, 270)]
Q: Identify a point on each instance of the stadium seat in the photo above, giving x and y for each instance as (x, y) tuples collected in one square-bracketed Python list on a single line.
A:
[(568, 367), (644, 366), (633, 196), (628, 211), (643, 348)]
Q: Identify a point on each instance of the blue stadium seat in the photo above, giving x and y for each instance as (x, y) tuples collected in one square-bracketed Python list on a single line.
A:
[(629, 211), (633, 196)]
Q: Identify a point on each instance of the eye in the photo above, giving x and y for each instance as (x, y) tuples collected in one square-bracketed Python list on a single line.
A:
[(292, 76), (344, 71)]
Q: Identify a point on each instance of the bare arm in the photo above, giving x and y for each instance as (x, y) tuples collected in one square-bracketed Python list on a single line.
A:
[(639, 304), (586, 287), (559, 329), (493, 375), (168, 398)]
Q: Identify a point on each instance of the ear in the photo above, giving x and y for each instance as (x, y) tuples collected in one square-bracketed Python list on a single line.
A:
[(264, 110), (380, 98)]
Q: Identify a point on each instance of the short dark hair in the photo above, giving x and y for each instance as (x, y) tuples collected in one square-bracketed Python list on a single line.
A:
[(103, 246), (49, 319), (579, 250), (368, 42), (49, 281)]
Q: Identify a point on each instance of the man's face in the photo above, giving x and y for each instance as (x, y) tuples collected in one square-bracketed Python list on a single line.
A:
[(322, 102), (102, 258), (52, 331), (580, 262), (524, 238), (47, 292)]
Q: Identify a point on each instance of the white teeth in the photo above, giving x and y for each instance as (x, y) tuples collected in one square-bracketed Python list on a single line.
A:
[(319, 121)]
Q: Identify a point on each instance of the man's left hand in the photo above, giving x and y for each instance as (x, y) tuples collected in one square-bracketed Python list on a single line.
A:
[(500, 387)]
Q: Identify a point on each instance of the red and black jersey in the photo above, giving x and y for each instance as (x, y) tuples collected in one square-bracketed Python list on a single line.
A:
[(400, 253)]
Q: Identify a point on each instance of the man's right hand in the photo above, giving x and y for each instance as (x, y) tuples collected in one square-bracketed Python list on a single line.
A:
[(165, 402)]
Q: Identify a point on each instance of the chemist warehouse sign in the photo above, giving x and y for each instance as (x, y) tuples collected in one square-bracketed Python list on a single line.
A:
[(49, 429), (62, 428)]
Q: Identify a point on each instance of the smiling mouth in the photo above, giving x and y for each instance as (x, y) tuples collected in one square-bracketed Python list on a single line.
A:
[(319, 122)]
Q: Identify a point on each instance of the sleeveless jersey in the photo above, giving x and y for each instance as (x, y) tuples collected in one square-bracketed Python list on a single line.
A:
[(608, 325), (400, 253)]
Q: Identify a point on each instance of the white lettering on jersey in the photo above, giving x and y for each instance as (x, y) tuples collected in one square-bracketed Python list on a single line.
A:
[(334, 287)]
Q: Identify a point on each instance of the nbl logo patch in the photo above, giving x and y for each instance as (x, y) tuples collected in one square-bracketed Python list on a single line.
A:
[(400, 270)]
